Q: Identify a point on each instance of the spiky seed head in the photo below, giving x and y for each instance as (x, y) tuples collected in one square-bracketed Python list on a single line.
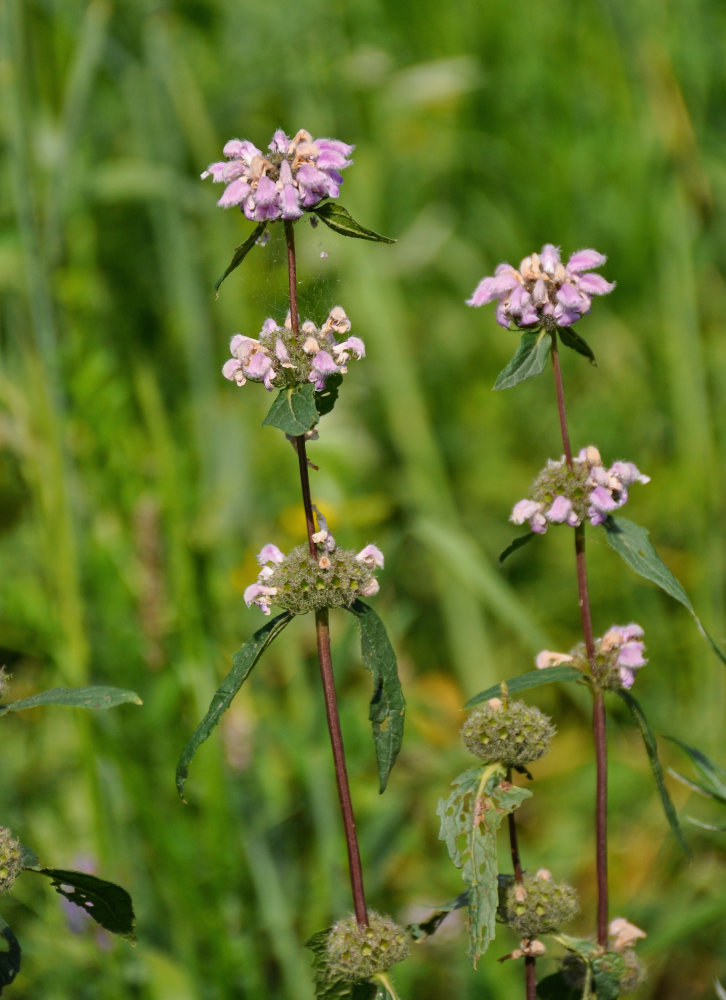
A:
[(11, 859), (514, 734), (356, 953), (538, 905)]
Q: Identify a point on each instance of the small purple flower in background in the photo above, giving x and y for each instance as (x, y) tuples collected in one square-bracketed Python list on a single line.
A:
[(564, 495), (294, 176), (544, 291), (618, 654), (625, 642), (279, 359)]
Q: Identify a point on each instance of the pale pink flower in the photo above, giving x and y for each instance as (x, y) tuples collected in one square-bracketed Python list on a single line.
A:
[(543, 291)]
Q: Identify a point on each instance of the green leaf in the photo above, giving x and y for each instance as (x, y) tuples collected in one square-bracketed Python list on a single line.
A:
[(607, 971), (632, 543), (329, 987), (652, 750), (425, 928), (518, 543), (532, 679), (556, 987), (572, 339), (326, 399), (242, 664), (470, 817), (240, 253), (340, 221), (529, 359), (87, 697), (713, 776), (107, 903), (9, 955), (293, 411), (388, 706)]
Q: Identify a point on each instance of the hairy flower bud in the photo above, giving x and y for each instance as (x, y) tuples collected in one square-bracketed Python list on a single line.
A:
[(538, 905), (356, 953), (11, 859), (514, 734)]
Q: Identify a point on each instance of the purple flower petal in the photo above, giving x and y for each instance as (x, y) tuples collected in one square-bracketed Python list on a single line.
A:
[(595, 284), (585, 260), (235, 193), (549, 258)]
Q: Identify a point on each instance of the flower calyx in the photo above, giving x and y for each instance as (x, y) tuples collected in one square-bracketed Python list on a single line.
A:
[(356, 953), (511, 733)]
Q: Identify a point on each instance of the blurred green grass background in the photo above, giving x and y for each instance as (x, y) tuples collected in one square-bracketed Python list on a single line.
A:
[(136, 485)]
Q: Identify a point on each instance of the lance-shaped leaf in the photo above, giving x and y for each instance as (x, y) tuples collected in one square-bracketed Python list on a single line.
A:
[(388, 706), (9, 955), (341, 221), (517, 543), (713, 783), (651, 749), (87, 697), (632, 543), (242, 664), (529, 359), (107, 903), (570, 338), (329, 986), (470, 818), (425, 928), (240, 253), (532, 679)]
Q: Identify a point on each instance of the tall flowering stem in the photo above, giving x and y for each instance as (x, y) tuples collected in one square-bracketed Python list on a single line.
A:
[(322, 631), (598, 708), (530, 969)]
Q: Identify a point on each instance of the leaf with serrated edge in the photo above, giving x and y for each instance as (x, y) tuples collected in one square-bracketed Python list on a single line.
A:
[(240, 253), (341, 221), (714, 777), (651, 749), (529, 359), (632, 543), (388, 706), (242, 664), (107, 903), (293, 411), (532, 679), (570, 338), (470, 817), (9, 955), (97, 697)]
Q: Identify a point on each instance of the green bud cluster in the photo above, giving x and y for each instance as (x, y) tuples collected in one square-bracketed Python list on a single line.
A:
[(356, 953), (559, 479), (514, 734), (332, 580), (537, 905), (11, 859), (622, 967)]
